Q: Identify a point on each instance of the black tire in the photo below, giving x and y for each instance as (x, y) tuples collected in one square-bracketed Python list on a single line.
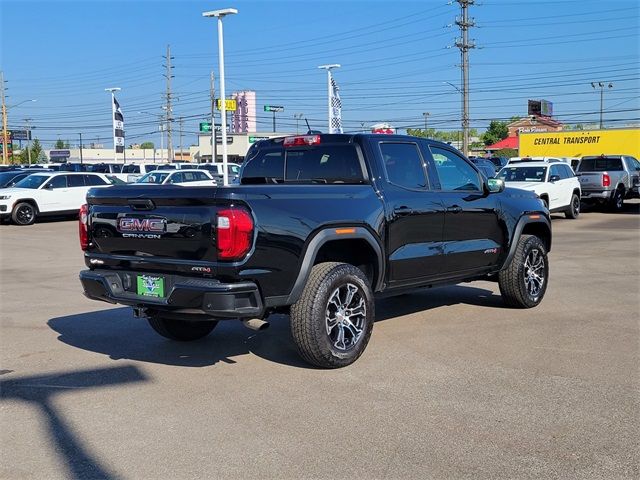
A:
[(24, 213), (574, 208), (332, 321), (616, 204), (518, 285), (181, 330)]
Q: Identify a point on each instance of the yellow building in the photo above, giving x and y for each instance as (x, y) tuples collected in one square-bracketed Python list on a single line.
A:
[(578, 143)]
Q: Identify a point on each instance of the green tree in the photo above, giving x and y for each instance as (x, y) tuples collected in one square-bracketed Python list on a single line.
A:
[(147, 145), (61, 144), (506, 152), (497, 131), (36, 151)]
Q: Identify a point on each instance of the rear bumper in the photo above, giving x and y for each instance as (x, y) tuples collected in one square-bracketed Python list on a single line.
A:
[(188, 294), (596, 195)]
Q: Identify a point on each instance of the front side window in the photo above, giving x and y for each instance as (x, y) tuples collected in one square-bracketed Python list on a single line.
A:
[(32, 181), (153, 177), (57, 182), (178, 177), (454, 172), (404, 165)]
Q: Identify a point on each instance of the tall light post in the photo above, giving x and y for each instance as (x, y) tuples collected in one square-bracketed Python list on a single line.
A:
[(328, 68), (461, 109), (80, 148), (113, 91), (425, 115), (601, 86), (220, 14), (27, 122)]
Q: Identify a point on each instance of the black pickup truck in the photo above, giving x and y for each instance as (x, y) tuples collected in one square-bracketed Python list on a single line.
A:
[(319, 225)]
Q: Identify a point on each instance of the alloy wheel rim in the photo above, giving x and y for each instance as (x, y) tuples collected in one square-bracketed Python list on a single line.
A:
[(346, 316), (576, 206), (534, 272), (25, 214)]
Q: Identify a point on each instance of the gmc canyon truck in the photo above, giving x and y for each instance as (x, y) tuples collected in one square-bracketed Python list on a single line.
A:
[(319, 226)]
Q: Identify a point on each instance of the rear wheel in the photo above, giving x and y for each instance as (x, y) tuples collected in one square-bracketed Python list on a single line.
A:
[(24, 214), (524, 282), (617, 201), (545, 200), (574, 208), (332, 321), (181, 330)]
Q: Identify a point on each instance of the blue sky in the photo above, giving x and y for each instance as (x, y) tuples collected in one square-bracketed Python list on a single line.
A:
[(395, 60)]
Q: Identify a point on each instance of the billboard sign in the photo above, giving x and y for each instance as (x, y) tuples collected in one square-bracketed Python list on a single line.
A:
[(541, 108), (20, 134), (230, 105), (59, 154)]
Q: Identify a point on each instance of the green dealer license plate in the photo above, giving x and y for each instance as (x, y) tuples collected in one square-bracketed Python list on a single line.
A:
[(150, 286)]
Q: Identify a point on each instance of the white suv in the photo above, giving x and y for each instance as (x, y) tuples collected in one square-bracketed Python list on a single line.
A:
[(555, 183), (55, 193)]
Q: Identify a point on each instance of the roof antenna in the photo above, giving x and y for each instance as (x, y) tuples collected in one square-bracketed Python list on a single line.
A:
[(309, 131)]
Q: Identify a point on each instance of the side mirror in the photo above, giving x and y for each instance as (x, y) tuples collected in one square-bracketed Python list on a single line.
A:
[(495, 185), (554, 178), (49, 186)]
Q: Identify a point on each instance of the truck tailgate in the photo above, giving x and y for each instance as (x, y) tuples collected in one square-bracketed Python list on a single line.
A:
[(591, 180), (154, 222)]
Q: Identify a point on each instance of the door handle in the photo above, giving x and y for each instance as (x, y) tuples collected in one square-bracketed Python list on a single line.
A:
[(454, 209), (403, 210)]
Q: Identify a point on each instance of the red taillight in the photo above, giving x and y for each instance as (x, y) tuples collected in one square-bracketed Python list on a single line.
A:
[(235, 232), (83, 220), (606, 180), (301, 140)]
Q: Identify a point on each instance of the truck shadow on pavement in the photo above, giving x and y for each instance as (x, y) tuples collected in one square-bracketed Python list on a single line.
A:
[(116, 333), (40, 391)]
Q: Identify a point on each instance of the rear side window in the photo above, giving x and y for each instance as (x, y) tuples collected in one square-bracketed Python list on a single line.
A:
[(91, 180), (403, 164), (600, 164), (75, 180), (131, 169)]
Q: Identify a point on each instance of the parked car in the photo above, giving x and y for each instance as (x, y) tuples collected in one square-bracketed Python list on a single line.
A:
[(48, 193), (609, 179), (233, 170), (74, 167), (177, 177), (134, 171), (176, 166), (112, 169), (318, 225), (513, 160), (485, 166), (10, 177), (498, 162), (555, 183)]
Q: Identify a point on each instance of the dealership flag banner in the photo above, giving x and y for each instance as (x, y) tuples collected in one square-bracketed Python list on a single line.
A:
[(118, 127), (335, 120)]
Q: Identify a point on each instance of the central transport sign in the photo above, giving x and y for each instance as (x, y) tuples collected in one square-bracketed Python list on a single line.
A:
[(273, 108), (229, 104)]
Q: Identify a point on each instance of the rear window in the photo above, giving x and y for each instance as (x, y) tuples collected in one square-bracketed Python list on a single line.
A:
[(523, 174), (600, 164), (324, 164)]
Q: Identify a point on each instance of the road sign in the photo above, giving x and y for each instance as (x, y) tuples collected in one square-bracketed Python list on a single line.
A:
[(253, 139), (229, 104), (205, 127), (20, 134), (219, 139), (273, 108)]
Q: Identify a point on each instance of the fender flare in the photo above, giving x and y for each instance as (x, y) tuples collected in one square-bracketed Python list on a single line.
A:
[(517, 233), (326, 235)]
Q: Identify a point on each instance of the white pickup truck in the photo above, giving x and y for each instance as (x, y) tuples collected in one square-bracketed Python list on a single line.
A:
[(609, 179)]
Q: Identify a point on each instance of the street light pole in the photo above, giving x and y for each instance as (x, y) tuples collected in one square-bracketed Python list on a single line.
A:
[(298, 117), (220, 14), (80, 148), (425, 115), (601, 86), (328, 68)]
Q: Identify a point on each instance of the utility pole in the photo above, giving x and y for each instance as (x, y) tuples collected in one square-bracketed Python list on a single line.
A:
[(169, 76), (464, 44), (5, 132), (80, 149), (213, 120), (601, 86), (28, 123), (425, 115), (181, 121)]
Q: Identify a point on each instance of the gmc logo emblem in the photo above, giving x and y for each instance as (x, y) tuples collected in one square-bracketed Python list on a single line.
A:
[(151, 225)]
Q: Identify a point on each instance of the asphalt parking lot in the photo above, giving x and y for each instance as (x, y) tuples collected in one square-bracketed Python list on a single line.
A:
[(452, 385)]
